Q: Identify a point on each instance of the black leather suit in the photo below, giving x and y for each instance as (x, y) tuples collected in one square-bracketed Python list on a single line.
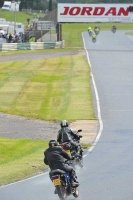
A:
[(55, 157), (66, 134)]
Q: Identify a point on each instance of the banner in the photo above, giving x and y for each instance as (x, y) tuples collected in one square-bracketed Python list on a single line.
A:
[(94, 13)]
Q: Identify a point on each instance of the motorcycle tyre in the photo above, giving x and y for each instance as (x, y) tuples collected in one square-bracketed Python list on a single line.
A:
[(76, 193), (93, 40), (114, 30), (61, 194)]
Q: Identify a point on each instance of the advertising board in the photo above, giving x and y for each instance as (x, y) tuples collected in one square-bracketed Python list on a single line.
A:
[(94, 13), (46, 25)]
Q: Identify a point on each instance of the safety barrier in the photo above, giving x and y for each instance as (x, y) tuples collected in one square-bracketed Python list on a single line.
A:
[(31, 45)]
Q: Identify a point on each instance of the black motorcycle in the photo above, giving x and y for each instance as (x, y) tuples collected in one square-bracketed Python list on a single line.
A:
[(72, 151), (113, 30), (62, 183)]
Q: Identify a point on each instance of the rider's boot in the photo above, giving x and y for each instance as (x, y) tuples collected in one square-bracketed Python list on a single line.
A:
[(74, 181)]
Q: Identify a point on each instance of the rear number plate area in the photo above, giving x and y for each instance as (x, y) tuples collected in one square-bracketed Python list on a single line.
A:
[(56, 182)]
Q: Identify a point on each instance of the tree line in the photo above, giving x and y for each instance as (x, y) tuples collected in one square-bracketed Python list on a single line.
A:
[(52, 4)]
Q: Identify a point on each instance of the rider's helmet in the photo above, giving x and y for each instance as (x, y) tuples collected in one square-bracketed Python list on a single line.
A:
[(64, 123), (53, 143)]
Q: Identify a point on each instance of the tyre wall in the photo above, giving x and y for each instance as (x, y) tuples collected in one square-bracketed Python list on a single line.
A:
[(31, 46)]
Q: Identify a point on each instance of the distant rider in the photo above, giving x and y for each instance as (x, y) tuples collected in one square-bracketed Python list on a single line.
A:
[(93, 35), (89, 29), (113, 27), (66, 134), (96, 29)]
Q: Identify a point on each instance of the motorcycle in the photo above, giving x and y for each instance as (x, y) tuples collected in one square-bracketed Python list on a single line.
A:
[(72, 151), (113, 30), (62, 183), (96, 32), (90, 33)]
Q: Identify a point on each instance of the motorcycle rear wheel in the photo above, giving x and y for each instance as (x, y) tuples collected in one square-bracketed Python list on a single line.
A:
[(61, 192), (76, 193), (114, 30), (94, 40)]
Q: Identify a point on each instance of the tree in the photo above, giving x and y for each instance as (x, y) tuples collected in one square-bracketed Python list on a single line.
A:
[(50, 5)]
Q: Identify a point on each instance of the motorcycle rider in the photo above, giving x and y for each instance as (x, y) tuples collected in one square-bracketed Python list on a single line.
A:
[(113, 27), (96, 29), (94, 35), (89, 29), (66, 134), (55, 157)]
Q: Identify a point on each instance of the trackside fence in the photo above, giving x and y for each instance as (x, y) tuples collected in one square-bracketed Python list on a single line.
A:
[(31, 46)]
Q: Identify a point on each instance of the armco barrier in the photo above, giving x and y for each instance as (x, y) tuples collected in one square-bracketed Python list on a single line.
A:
[(31, 45)]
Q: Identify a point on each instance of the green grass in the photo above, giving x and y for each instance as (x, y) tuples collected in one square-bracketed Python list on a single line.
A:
[(37, 51), (21, 158), (48, 89), (20, 16)]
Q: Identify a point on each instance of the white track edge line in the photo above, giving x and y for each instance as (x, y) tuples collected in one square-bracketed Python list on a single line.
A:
[(97, 102)]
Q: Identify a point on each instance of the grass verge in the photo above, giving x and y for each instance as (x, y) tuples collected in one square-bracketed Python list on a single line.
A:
[(48, 89), (22, 158)]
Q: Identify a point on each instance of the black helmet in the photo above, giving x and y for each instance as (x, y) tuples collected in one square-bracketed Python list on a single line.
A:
[(53, 143), (64, 123)]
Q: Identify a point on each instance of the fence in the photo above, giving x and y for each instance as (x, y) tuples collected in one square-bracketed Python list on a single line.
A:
[(34, 11), (31, 46)]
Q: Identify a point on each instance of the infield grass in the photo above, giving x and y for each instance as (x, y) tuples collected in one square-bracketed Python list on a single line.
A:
[(48, 89), (20, 159)]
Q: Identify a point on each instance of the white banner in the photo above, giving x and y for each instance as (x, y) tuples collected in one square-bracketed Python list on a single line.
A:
[(46, 25), (94, 13)]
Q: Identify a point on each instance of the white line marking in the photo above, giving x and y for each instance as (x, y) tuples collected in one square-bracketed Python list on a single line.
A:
[(25, 179), (97, 102)]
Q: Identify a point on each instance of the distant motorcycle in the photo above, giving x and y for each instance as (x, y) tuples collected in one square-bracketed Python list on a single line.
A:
[(96, 31), (72, 151), (62, 183), (90, 33), (113, 29)]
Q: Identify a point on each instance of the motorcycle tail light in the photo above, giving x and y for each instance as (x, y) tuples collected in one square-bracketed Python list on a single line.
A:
[(63, 144), (55, 177)]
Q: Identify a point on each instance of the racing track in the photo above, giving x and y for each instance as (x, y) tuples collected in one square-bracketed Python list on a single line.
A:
[(107, 172)]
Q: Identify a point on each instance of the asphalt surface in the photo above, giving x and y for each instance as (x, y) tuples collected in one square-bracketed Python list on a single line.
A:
[(107, 172)]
